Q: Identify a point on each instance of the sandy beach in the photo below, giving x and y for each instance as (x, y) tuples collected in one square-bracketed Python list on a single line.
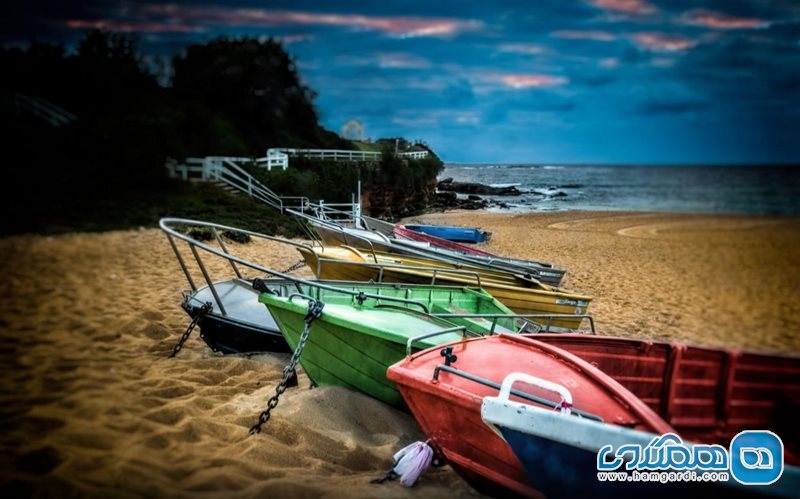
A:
[(92, 406)]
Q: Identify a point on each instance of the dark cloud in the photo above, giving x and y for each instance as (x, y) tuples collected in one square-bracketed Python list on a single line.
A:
[(595, 79), (670, 107), (787, 84), (502, 108), (459, 94)]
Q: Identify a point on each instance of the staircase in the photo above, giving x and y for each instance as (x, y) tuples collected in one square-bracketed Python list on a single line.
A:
[(225, 172)]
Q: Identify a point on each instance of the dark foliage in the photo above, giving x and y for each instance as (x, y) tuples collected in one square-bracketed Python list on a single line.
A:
[(228, 97), (256, 84)]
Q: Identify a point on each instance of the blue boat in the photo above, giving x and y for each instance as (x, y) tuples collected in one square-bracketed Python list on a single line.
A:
[(457, 234), (559, 450)]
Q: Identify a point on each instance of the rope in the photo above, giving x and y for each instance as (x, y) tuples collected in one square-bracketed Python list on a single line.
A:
[(205, 309), (314, 311), (563, 406)]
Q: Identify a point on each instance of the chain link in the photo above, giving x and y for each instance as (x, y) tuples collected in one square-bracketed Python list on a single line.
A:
[(314, 311), (294, 267), (200, 313)]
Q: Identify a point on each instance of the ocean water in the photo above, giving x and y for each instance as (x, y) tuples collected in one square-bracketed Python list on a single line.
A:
[(694, 189)]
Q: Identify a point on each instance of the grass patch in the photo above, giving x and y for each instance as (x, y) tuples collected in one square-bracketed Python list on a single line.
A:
[(129, 205)]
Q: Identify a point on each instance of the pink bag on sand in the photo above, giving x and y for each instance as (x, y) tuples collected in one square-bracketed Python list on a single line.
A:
[(412, 461)]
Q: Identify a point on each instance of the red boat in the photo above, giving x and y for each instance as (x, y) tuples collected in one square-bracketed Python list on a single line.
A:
[(708, 395), (444, 388)]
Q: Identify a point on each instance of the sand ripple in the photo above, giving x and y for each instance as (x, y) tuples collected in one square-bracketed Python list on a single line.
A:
[(92, 406)]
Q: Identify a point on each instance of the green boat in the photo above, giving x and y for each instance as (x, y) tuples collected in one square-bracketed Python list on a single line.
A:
[(359, 335)]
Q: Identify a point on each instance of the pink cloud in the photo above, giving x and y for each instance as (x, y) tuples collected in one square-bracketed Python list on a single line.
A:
[(405, 26), (626, 6), (660, 42), (716, 20), (596, 35), (610, 62), (133, 26), (521, 48), (402, 60), (532, 80), (399, 60), (662, 62), (298, 38)]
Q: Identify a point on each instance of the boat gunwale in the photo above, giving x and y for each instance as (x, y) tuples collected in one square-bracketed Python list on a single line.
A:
[(598, 377), (409, 270)]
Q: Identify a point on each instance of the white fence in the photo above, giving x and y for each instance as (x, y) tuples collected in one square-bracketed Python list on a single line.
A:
[(224, 169), (280, 156), (414, 154)]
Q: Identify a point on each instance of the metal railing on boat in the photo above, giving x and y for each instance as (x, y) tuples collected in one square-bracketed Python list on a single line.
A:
[(194, 244), (526, 396), (547, 328), (410, 342), (382, 267), (166, 224), (507, 265)]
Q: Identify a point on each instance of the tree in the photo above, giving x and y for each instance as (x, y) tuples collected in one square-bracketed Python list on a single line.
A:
[(108, 74), (255, 83)]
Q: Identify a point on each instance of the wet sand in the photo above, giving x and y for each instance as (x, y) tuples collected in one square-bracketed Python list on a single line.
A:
[(91, 405)]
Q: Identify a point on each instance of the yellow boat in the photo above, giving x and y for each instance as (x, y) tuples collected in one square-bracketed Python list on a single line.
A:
[(522, 294)]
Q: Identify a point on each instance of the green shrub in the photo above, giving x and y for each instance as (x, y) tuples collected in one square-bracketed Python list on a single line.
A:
[(237, 237)]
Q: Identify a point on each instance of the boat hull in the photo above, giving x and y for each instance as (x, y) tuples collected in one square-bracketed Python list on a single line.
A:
[(448, 407), (402, 231), (231, 336), (559, 453), (423, 247), (353, 344), (245, 326), (706, 394), (457, 234)]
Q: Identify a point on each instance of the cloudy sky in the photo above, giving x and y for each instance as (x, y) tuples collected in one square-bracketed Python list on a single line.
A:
[(544, 81)]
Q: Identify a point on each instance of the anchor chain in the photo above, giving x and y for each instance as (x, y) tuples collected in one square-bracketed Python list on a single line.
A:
[(294, 267), (314, 311), (206, 308)]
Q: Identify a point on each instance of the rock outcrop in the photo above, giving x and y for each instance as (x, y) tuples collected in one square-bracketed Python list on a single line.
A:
[(449, 185)]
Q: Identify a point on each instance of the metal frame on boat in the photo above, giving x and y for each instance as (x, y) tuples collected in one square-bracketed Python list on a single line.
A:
[(235, 322), (521, 294), (336, 234)]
